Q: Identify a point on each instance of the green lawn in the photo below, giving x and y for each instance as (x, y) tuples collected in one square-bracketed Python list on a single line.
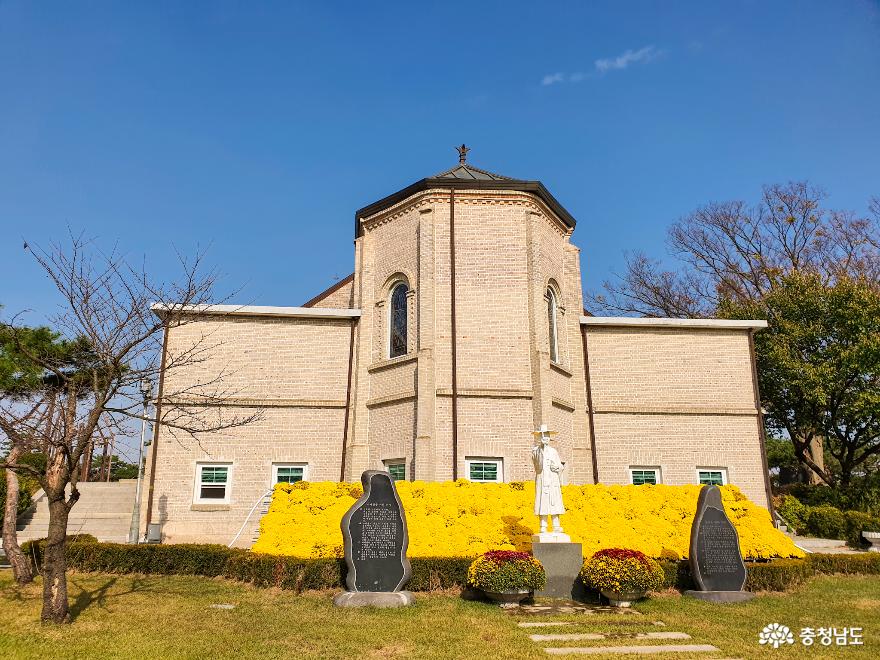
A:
[(171, 617)]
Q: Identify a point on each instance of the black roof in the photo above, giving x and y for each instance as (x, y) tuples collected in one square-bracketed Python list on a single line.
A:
[(466, 177)]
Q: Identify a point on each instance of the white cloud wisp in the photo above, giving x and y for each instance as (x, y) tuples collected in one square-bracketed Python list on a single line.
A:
[(643, 55), (603, 66)]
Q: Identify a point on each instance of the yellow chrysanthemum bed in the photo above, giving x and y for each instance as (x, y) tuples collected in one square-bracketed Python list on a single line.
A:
[(465, 519)]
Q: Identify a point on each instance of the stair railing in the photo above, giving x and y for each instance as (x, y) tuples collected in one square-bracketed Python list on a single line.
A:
[(253, 508)]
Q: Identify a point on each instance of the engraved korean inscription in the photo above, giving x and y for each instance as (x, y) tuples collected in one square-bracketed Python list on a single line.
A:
[(375, 538)]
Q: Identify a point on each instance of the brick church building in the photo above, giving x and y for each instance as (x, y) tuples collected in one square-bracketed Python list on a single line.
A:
[(461, 331)]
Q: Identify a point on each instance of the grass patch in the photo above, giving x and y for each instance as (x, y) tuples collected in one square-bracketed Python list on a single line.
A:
[(129, 616), (823, 602)]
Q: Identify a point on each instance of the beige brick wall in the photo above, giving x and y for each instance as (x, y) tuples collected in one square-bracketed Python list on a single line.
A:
[(283, 435), (342, 298), (488, 428), (300, 395), (671, 367), (675, 398), (507, 249), (261, 358), (392, 431), (491, 298), (679, 444)]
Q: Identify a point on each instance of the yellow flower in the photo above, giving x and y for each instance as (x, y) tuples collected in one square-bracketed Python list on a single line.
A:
[(465, 519)]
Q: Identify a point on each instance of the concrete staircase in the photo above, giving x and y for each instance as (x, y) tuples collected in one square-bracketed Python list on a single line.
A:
[(104, 510), (261, 510), (822, 546)]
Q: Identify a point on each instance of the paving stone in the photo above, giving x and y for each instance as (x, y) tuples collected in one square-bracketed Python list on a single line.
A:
[(571, 607), (569, 637), (537, 624), (633, 650), (573, 637)]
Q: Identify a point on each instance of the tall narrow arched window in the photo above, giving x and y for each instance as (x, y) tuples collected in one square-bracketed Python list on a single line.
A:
[(397, 324), (551, 321)]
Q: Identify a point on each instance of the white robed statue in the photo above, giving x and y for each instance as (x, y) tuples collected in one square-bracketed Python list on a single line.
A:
[(548, 486)]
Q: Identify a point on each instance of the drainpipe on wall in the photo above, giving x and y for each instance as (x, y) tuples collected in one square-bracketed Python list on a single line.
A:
[(453, 337), (347, 400), (761, 429), (589, 386)]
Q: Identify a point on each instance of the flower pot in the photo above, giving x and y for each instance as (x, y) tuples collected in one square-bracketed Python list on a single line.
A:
[(508, 597), (622, 599), (874, 539)]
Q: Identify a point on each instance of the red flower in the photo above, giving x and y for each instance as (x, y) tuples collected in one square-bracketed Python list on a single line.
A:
[(503, 556), (622, 553)]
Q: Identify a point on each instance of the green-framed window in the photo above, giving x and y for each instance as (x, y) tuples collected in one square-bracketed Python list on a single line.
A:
[(212, 483), (712, 477), (288, 474), (397, 470), (642, 476), (484, 470)]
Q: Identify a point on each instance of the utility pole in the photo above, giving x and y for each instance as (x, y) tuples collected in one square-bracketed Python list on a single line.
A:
[(147, 393)]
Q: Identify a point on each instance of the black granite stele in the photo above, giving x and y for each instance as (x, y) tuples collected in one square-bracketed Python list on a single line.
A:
[(375, 538), (717, 565)]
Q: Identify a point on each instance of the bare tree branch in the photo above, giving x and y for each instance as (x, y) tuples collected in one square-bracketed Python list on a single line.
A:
[(110, 341), (732, 251)]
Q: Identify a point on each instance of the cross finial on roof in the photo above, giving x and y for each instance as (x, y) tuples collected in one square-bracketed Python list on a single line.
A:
[(462, 153)]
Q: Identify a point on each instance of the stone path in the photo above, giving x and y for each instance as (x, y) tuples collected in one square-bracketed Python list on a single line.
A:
[(824, 546), (633, 650), (616, 640), (577, 637), (539, 624), (570, 607)]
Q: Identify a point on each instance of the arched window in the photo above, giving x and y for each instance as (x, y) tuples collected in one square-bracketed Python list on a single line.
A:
[(397, 324), (551, 320)]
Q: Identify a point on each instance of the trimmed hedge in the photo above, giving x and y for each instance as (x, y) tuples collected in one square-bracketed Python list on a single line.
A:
[(779, 575), (827, 521), (864, 495), (428, 573), (776, 575), (862, 564)]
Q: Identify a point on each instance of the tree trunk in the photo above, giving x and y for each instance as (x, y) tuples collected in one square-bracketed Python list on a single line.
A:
[(21, 565), (816, 452), (813, 471), (55, 608)]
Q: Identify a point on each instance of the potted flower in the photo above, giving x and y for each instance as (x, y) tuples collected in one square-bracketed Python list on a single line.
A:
[(622, 576), (506, 576), (874, 539)]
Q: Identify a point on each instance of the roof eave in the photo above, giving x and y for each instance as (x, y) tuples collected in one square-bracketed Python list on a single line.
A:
[(164, 310), (535, 187), (673, 323)]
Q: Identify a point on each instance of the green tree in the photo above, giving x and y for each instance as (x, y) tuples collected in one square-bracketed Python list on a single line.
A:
[(23, 496), (819, 368), (119, 469), (739, 252), (20, 381), (780, 457)]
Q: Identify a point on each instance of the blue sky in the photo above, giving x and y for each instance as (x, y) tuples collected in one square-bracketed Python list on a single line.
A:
[(257, 129)]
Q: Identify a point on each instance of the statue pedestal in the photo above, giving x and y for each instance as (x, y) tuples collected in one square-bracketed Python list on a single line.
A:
[(373, 599), (562, 562), (720, 596), (551, 537)]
